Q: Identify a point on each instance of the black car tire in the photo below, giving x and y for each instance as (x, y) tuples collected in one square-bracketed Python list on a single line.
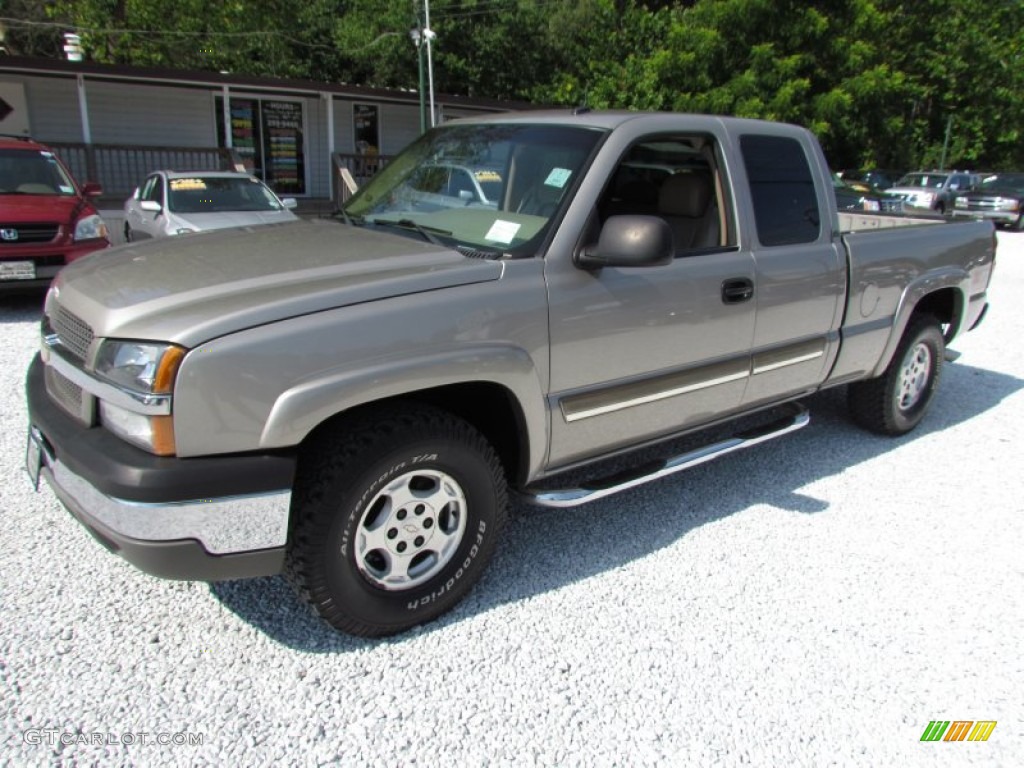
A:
[(396, 515), (895, 402)]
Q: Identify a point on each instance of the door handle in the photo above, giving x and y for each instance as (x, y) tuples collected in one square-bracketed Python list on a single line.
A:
[(737, 290)]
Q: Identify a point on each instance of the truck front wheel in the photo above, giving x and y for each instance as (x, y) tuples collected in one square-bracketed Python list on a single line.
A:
[(396, 514), (895, 402)]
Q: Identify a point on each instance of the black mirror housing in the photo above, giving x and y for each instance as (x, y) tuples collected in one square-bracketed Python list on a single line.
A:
[(630, 241)]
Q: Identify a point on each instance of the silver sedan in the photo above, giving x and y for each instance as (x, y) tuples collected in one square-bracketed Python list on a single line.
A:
[(177, 202)]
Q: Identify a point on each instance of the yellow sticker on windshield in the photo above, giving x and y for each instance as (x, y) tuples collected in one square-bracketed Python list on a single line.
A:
[(487, 176), (182, 184)]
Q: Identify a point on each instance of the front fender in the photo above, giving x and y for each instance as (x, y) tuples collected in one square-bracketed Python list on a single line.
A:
[(303, 407)]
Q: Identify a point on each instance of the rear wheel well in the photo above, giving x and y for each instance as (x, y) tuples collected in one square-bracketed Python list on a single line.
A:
[(489, 407), (945, 306)]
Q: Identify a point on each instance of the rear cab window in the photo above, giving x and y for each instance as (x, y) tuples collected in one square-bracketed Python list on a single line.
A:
[(782, 190)]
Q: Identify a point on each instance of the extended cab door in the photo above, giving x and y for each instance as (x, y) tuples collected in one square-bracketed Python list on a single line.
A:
[(642, 352), (799, 269)]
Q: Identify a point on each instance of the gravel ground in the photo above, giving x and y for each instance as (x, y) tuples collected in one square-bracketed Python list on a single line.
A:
[(814, 601)]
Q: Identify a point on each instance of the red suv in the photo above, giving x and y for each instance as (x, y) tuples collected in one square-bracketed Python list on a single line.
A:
[(46, 219)]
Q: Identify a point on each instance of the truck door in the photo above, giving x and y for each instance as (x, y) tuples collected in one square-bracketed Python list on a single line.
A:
[(800, 273), (646, 351)]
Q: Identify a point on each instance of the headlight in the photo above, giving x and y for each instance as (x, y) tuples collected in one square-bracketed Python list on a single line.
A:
[(961, 202), (90, 228), (1009, 205), (925, 198), (869, 204), (140, 367), (145, 371)]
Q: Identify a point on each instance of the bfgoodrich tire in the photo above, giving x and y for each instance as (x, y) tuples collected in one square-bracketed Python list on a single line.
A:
[(396, 515), (895, 402)]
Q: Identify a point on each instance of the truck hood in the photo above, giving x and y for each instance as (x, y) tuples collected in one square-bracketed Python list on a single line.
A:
[(189, 289), (205, 222)]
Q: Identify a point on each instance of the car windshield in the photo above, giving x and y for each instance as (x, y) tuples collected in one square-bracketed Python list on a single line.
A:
[(33, 172), (1003, 182), (490, 186), (926, 180), (217, 194)]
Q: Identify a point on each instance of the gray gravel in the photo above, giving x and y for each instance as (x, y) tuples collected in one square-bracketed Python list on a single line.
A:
[(814, 601)]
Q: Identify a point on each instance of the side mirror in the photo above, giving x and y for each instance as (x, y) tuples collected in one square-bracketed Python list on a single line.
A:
[(630, 241), (150, 205), (91, 189), (465, 194), (289, 202)]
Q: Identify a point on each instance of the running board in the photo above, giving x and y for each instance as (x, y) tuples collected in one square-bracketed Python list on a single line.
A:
[(602, 487)]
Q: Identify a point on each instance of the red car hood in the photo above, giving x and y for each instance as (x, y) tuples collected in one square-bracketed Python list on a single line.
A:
[(26, 209)]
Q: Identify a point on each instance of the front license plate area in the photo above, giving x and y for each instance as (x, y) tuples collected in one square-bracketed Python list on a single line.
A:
[(34, 457), (17, 270)]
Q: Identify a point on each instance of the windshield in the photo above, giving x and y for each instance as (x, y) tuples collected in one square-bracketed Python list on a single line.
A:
[(490, 186), (927, 180), (32, 172), (214, 194), (1003, 182)]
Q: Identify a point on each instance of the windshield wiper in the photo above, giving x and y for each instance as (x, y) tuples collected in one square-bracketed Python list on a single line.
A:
[(427, 233)]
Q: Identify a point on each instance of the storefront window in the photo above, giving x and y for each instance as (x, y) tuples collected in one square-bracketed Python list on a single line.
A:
[(267, 135)]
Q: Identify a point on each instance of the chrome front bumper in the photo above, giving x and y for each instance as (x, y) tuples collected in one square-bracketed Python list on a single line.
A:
[(200, 539)]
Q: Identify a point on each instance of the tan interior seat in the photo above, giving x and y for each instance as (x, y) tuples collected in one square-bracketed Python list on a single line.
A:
[(684, 201)]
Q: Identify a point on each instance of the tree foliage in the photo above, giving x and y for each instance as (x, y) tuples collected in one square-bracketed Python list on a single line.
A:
[(882, 82)]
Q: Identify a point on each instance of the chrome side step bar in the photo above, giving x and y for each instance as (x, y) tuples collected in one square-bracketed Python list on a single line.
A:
[(600, 488)]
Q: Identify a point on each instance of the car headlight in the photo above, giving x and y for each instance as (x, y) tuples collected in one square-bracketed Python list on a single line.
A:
[(870, 205), (961, 202), (90, 228), (1009, 205), (145, 371), (925, 198), (140, 367)]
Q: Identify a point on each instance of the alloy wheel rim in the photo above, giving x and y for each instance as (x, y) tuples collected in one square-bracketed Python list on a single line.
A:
[(410, 530)]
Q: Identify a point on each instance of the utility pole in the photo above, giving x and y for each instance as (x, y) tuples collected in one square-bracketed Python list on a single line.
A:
[(417, 38), (945, 144), (428, 35)]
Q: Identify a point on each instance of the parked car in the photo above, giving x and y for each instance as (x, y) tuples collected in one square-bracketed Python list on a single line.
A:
[(46, 217), (931, 191), (177, 202), (999, 197), (871, 180), (452, 186), (851, 197), (356, 415)]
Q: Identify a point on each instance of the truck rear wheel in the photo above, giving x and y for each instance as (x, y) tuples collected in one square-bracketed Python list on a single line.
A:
[(396, 515), (895, 402)]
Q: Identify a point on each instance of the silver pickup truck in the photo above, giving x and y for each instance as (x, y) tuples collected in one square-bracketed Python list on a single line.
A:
[(351, 400)]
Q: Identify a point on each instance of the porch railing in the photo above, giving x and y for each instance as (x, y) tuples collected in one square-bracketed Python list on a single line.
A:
[(349, 172), (120, 168)]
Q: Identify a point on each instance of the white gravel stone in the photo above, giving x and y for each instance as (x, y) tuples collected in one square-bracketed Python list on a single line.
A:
[(813, 601)]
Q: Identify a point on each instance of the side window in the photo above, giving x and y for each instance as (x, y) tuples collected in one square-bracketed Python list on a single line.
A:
[(154, 190), (678, 179), (782, 187)]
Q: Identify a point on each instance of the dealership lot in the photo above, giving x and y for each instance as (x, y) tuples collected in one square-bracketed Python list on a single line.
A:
[(818, 600)]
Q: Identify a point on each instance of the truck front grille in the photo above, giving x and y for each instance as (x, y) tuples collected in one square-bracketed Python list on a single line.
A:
[(64, 392), (19, 234), (74, 333)]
